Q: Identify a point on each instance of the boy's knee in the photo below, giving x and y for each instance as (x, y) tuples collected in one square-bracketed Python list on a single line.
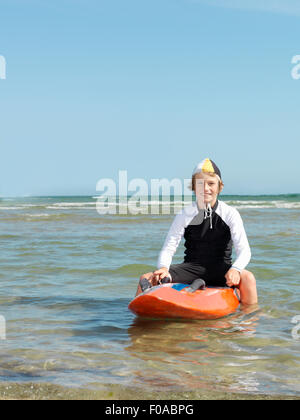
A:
[(249, 278)]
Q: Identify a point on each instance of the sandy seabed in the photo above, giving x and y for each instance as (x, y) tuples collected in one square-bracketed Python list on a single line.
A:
[(44, 391)]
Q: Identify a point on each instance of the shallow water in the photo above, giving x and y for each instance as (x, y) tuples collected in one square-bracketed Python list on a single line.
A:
[(67, 276)]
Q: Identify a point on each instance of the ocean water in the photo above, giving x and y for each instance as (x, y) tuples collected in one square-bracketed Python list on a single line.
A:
[(68, 273)]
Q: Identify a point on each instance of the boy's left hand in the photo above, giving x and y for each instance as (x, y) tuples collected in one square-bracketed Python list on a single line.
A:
[(233, 277)]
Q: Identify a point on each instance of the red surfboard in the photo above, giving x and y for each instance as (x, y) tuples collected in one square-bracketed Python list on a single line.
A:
[(173, 301)]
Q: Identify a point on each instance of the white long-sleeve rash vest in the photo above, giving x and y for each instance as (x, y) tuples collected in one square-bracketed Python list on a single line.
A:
[(209, 241)]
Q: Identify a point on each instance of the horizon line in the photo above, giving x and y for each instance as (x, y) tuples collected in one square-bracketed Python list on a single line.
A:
[(160, 195)]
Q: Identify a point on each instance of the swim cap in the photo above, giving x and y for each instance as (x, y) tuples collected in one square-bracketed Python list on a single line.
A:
[(207, 165)]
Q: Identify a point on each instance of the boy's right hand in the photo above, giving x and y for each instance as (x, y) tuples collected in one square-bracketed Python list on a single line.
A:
[(161, 274)]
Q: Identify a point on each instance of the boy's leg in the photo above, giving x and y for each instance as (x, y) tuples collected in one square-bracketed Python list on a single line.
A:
[(247, 288)]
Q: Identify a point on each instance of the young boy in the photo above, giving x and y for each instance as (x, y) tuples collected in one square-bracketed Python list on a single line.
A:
[(210, 228)]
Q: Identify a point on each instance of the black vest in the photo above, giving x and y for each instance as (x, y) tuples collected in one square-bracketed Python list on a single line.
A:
[(205, 245)]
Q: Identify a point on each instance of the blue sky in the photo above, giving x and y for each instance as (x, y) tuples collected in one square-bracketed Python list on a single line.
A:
[(148, 86)]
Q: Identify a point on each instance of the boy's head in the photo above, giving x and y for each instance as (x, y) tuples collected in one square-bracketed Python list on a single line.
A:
[(210, 174), (207, 166)]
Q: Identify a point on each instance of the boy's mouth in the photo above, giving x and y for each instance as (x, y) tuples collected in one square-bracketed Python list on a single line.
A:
[(208, 197)]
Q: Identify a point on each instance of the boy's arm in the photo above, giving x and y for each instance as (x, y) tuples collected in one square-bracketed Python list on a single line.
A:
[(171, 243), (240, 242)]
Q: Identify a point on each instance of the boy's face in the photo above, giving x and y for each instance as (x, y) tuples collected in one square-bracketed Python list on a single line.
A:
[(207, 188)]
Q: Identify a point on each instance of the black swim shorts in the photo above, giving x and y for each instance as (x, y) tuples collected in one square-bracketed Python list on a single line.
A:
[(187, 272)]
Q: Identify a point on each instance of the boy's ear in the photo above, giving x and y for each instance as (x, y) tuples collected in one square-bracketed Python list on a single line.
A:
[(221, 186)]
